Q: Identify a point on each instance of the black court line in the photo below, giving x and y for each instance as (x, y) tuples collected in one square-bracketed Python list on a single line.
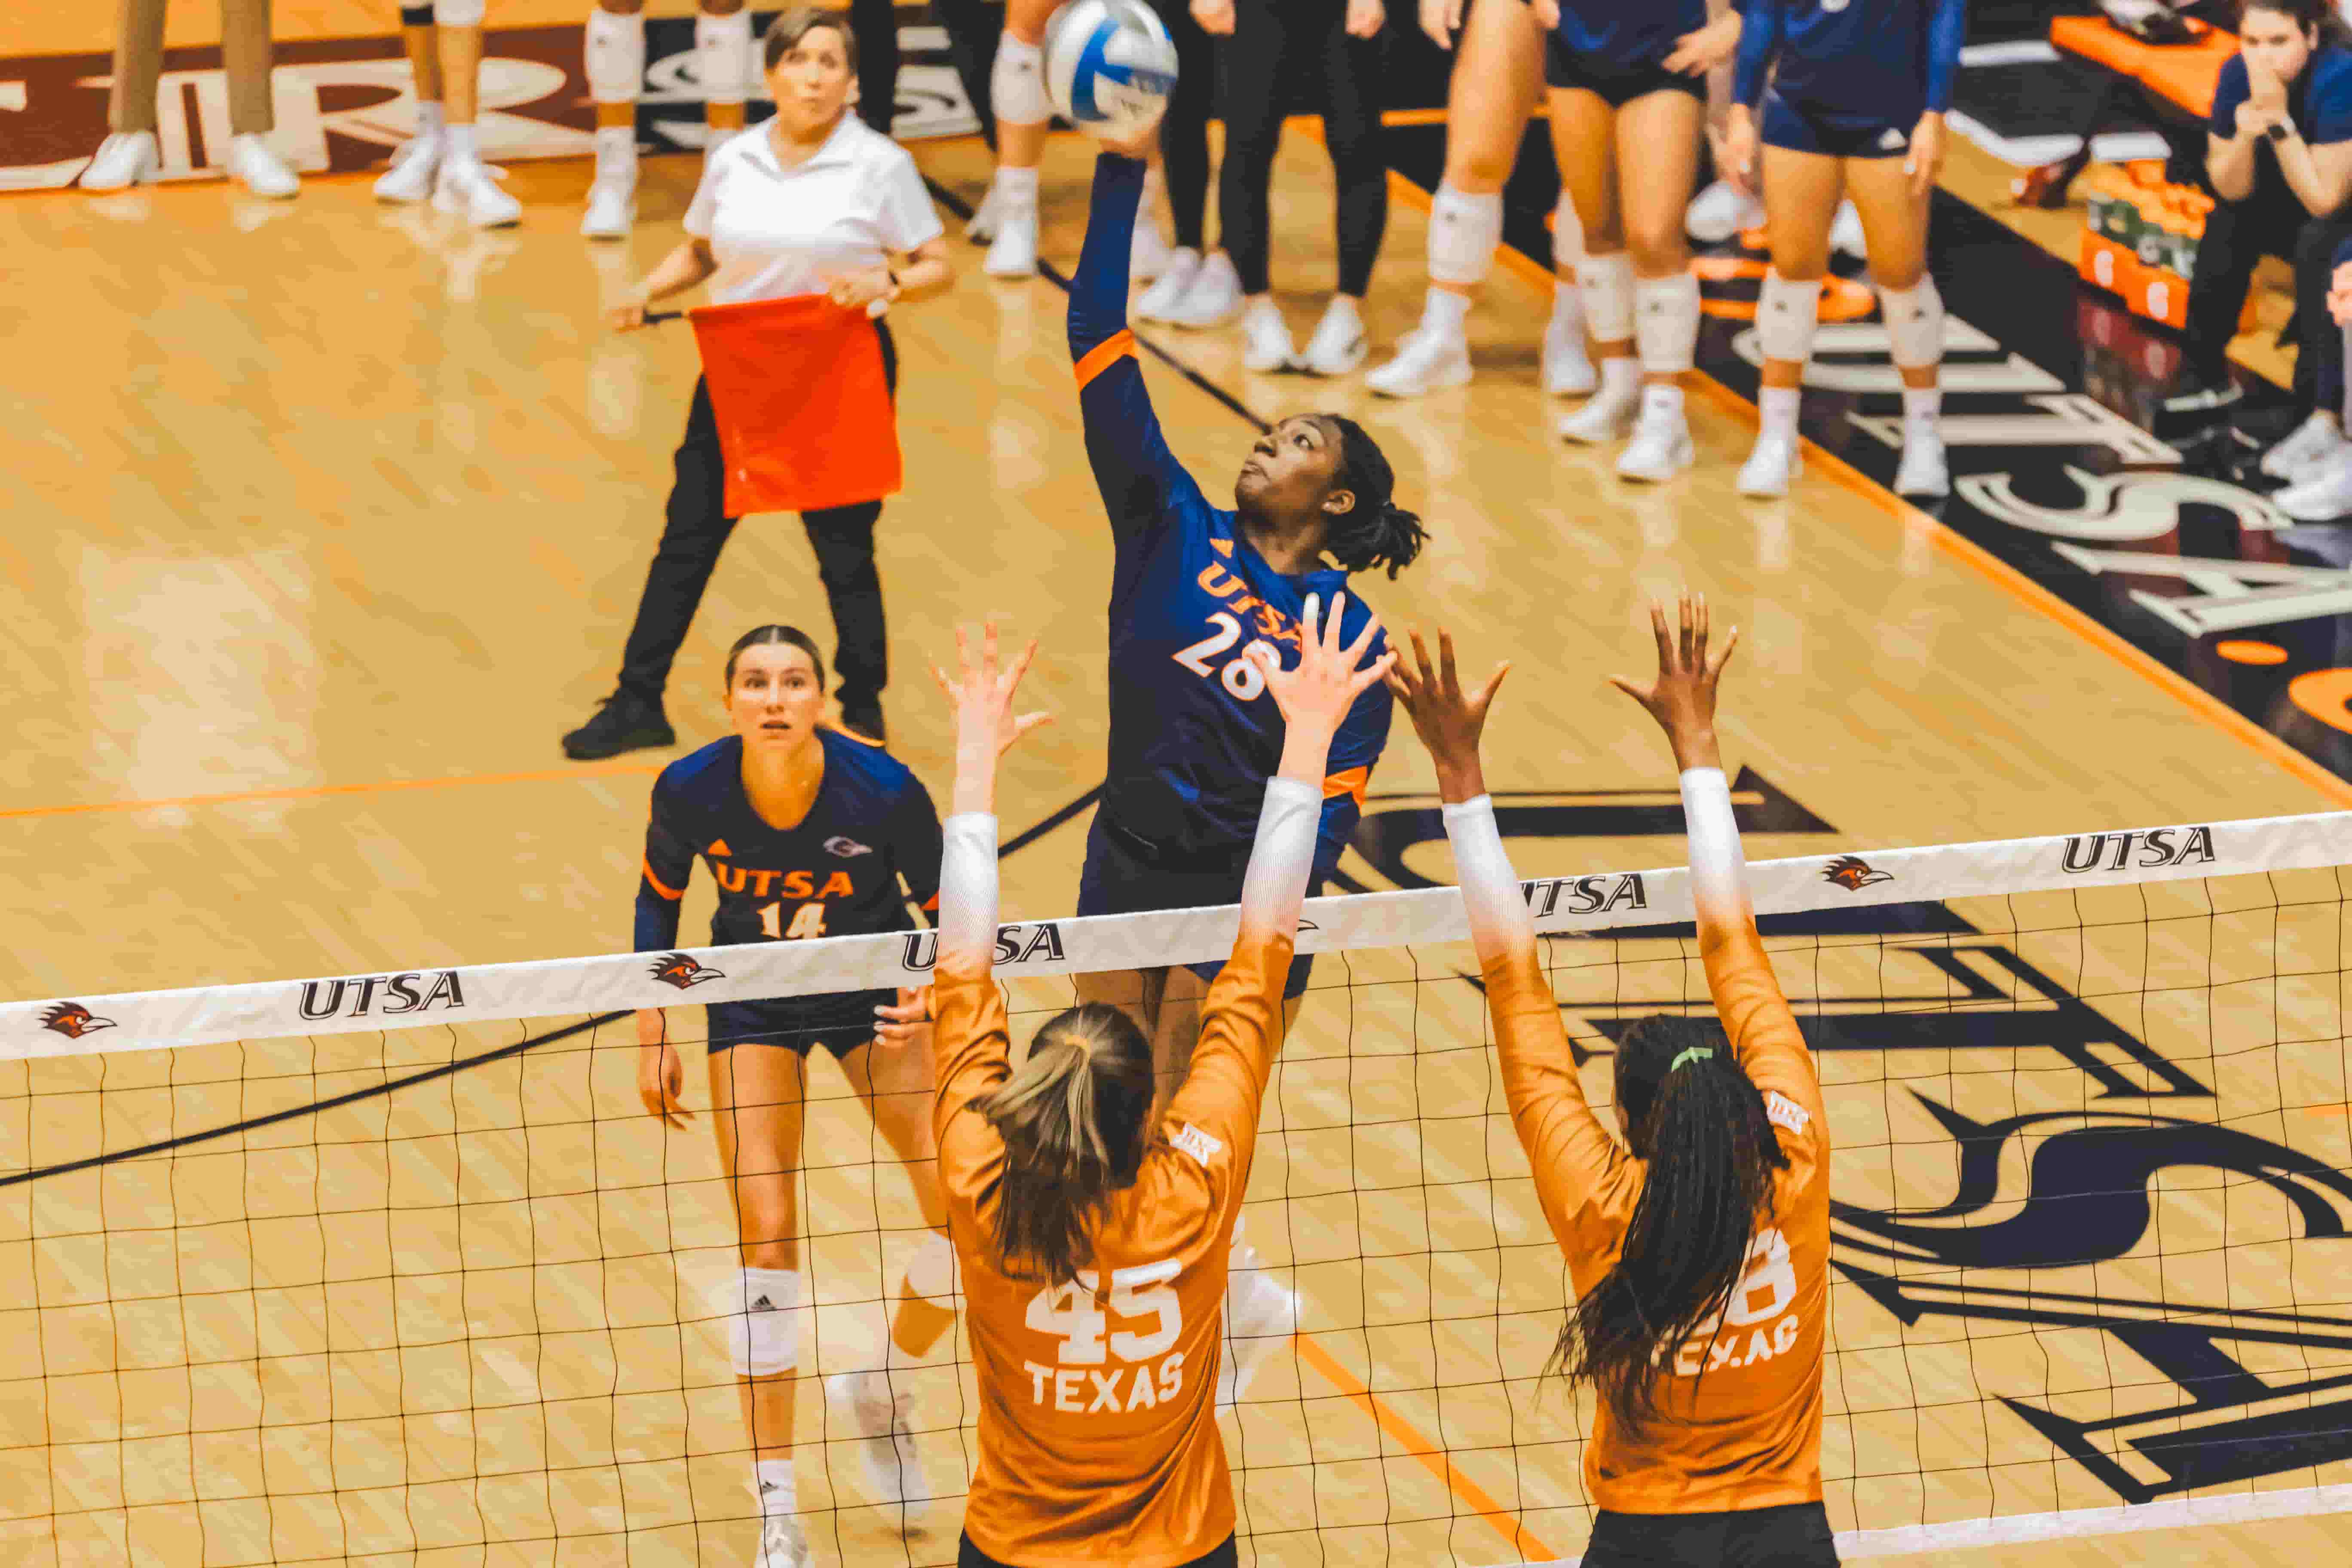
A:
[(1021, 840), (1052, 274)]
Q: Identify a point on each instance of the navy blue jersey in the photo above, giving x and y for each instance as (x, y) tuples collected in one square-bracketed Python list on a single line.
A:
[(1623, 34), (1882, 61), (835, 874), (2319, 101), (1194, 734)]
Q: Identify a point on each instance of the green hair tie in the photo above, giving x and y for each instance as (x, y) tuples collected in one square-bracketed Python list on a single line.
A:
[(1693, 1053)]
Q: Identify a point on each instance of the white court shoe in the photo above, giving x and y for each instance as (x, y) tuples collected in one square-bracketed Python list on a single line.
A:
[(1338, 345), (1605, 417), (415, 162), (1266, 339), (1215, 298), (1425, 362), (1148, 253), (1721, 211), (1566, 363), (886, 1439), (2314, 446), (2322, 496), (1661, 446), (612, 203), (1924, 471), (1013, 252), (782, 1543), (470, 188), (982, 228), (125, 158), (1175, 280), (1775, 461), (255, 165), (1261, 1315)]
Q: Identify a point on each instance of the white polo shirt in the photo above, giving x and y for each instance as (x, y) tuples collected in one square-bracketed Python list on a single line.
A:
[(776, 231)]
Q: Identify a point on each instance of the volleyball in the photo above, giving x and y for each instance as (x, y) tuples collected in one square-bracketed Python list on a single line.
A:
[(1110, 67)]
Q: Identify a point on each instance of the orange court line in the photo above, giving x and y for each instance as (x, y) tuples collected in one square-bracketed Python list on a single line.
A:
[(1422, 1449), (2195, 698), (314, 792)]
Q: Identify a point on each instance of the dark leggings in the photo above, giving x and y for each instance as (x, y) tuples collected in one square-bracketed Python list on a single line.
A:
[(1185, 129), (974, 27), (697, 530), (2272, 221), (1273, 42), (875, 24)]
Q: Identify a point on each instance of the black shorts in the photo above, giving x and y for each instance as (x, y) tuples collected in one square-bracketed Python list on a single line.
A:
[(1796, 1535), (840, 1022), (1802, 127), (1128, 876), (1617, 85), (971, 1557)]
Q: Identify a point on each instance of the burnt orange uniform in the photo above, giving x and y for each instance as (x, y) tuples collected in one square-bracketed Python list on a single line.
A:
[(1099, 1439), (1739, 1421)]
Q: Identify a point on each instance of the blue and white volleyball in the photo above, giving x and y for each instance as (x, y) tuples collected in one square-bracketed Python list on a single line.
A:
[(1110, 67)]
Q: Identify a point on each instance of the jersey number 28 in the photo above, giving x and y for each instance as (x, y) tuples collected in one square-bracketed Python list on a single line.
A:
[(1242, 678)]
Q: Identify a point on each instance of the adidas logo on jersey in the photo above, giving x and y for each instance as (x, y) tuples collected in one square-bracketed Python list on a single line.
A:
[(1894, 141)]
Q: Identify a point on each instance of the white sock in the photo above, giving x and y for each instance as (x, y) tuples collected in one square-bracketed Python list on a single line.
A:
[(1661, 399), (1621, 377), (1445, 311), (1922, 402), (1778, 406), (1016, 190), (462, 144), (778, 1491), (1565, 300), (428, 120), (1343, 308), (616, 144)]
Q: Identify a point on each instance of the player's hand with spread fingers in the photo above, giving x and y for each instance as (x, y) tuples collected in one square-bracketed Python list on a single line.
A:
[(904, 1023), (661, 1073), (1441, 19), (1448, 720), (981, 693), (1316, 695), (1682, 698)]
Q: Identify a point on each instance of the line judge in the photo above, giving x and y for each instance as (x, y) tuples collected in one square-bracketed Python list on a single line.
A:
[(815, 202)]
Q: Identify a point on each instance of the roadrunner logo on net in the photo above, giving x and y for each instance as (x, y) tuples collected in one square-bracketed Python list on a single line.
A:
[(681, 971), (73, 1020)]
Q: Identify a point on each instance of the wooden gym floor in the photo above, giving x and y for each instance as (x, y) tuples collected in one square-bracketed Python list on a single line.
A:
[(325, 520)]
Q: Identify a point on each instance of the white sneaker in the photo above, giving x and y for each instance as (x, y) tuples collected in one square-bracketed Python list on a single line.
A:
[(983, 226), (1338, 345), (470, 187), (124, 158), (886, 1441), (612, 203), (1175, 278), (1013, 252), (2314, 446), (1606, 416), (1425, 362), (1721, 211), (255, 165), (1215, 298), (1923, 471), (1846, 234), (1261, 1316), (1265, 338), (2320, 497), (1566, 363), (414, 163), (1148, 253), (1661, 446), (1775, 461), (782, 1543)]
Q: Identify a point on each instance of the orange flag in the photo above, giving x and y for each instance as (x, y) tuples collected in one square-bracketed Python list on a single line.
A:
[(804, 407)]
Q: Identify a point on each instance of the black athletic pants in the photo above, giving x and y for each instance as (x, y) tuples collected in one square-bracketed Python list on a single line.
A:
[(1276, 42), (971, 1557), (1185, 129), (2272, 221), (974, 27), (697, 532), (875, 24), (1796, 1535)]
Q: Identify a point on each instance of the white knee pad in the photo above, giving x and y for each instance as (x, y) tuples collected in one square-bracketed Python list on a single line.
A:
[(615, 51), (1666, 324), (457, 13), (1464, 230), (1567, 235), (931, 1272), (763, 1312), (1914, 323), (1016, 85), (1787, 316), (1607, 282), (723, 57)]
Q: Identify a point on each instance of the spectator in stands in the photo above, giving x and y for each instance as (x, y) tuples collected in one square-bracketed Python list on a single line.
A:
[(2279, 158), (2324, 494)]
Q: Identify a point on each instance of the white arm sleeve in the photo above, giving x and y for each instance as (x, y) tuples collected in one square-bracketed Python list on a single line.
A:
[(968, 886), (1276, 885), (1718, 867), (1499, 921)]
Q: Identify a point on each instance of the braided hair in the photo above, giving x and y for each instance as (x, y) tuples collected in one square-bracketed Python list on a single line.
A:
[(1375, 532)]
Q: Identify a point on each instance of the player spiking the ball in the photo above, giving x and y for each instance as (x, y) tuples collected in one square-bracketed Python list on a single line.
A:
[(1699, 1246)]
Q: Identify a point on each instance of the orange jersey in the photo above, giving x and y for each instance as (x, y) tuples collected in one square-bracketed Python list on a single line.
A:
[(1738, 1418), (1099, 1439)]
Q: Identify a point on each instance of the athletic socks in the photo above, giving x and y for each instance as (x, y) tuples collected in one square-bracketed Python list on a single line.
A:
[(1444, 312), (1923, 403), (779, 1492), (1779, 404)]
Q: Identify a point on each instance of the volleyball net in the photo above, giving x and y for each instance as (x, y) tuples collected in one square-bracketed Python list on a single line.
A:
[(370, 1266)]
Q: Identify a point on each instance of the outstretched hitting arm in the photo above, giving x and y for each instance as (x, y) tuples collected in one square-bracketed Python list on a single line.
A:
[(1579, 1170)]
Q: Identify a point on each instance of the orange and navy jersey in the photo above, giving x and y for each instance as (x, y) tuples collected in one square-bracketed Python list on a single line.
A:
[(1193, 734), (1738, 1418), (838, 872), (1099, 1439)]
